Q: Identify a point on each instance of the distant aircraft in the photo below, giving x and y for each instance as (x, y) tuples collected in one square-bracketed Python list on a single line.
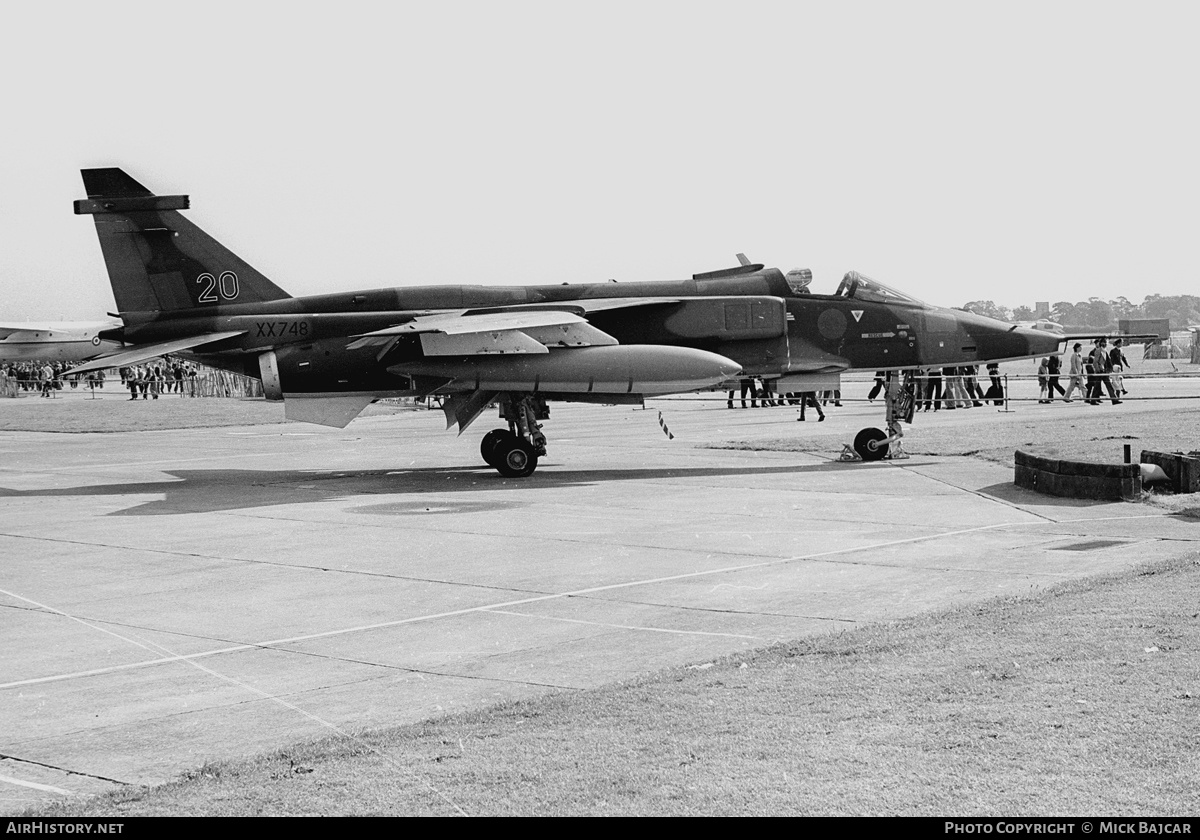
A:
[(64, 341), (1044, 324), (179, 291)]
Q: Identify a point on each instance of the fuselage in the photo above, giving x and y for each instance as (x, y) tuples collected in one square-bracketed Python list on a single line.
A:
[(754, 318)]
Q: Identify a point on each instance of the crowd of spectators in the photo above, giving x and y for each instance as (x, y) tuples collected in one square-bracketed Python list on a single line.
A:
[(1100, 370), (43, 377), (164, 376), (147, 381), (934, 389), (949, 388)]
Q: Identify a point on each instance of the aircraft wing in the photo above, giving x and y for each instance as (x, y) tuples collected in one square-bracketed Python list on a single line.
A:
[(145, 352), (1092, 336), (523, 328), (467, 333), (8, 328)]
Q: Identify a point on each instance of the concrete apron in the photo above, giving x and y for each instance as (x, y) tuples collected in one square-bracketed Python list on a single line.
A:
[(172, 598)]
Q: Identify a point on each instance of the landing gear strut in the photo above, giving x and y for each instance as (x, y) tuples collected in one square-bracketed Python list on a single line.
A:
[(875, 444), (514, 452)]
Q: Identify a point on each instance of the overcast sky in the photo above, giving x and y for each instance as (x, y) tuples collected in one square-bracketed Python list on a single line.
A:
[(959, 151)]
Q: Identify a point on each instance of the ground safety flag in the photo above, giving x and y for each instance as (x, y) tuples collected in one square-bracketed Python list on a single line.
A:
[(663, 423)]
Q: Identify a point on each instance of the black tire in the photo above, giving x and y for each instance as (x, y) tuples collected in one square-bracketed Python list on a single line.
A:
[(515, 458), (868, 444), (487, 446)]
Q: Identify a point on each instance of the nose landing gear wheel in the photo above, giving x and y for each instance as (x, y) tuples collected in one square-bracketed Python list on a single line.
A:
[(870, 444)]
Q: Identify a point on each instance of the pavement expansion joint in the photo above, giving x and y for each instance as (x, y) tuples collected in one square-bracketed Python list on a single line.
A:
[(408, 669), (278, 564), (637, 628), (714, 610), (94, 544)]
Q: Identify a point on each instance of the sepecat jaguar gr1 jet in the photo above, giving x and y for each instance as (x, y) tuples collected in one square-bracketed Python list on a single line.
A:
[(179, 291)]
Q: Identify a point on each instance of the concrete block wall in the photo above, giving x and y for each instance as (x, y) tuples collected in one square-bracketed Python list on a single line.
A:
[(1077, 479), (1183, 470)]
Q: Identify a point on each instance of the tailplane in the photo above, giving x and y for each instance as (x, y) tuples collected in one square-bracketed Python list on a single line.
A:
[(159, 261)]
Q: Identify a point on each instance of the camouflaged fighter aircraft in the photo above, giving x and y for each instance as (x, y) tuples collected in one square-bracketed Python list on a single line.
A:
[(179, 291)]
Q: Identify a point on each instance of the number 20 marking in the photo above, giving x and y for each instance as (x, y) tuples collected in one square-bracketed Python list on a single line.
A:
[(226, 285)]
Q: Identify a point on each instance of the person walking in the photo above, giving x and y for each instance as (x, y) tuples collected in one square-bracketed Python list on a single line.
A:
[(974, 392), (1053, 369), (951, 388), (47, 377), (748, 385), (810, 398), (995, 391), (879, 376), (933, 388), (1076, 373), (1100, 365), (1042, 376), (1117, 362), (768, 395)]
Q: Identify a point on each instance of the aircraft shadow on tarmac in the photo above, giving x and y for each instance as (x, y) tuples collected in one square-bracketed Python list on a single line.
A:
[(210, 491)]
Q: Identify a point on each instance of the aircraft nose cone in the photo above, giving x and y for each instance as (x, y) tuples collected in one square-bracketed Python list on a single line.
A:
[(998, 340)]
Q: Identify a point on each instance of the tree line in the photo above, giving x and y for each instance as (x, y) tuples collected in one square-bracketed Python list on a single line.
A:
[(1182, 310)]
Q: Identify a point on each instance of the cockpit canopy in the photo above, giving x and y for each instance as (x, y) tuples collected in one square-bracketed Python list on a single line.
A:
[(798, 280), (860, 287)]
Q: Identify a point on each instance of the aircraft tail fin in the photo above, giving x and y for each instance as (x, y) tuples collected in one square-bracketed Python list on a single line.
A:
[(159, 261)]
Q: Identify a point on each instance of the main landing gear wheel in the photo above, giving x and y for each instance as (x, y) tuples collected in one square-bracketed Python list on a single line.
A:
[(487, 446), (514, 452), (514, 457), (870, 444)]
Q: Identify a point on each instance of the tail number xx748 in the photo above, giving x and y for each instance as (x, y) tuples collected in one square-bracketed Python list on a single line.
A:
[(282, 329)]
